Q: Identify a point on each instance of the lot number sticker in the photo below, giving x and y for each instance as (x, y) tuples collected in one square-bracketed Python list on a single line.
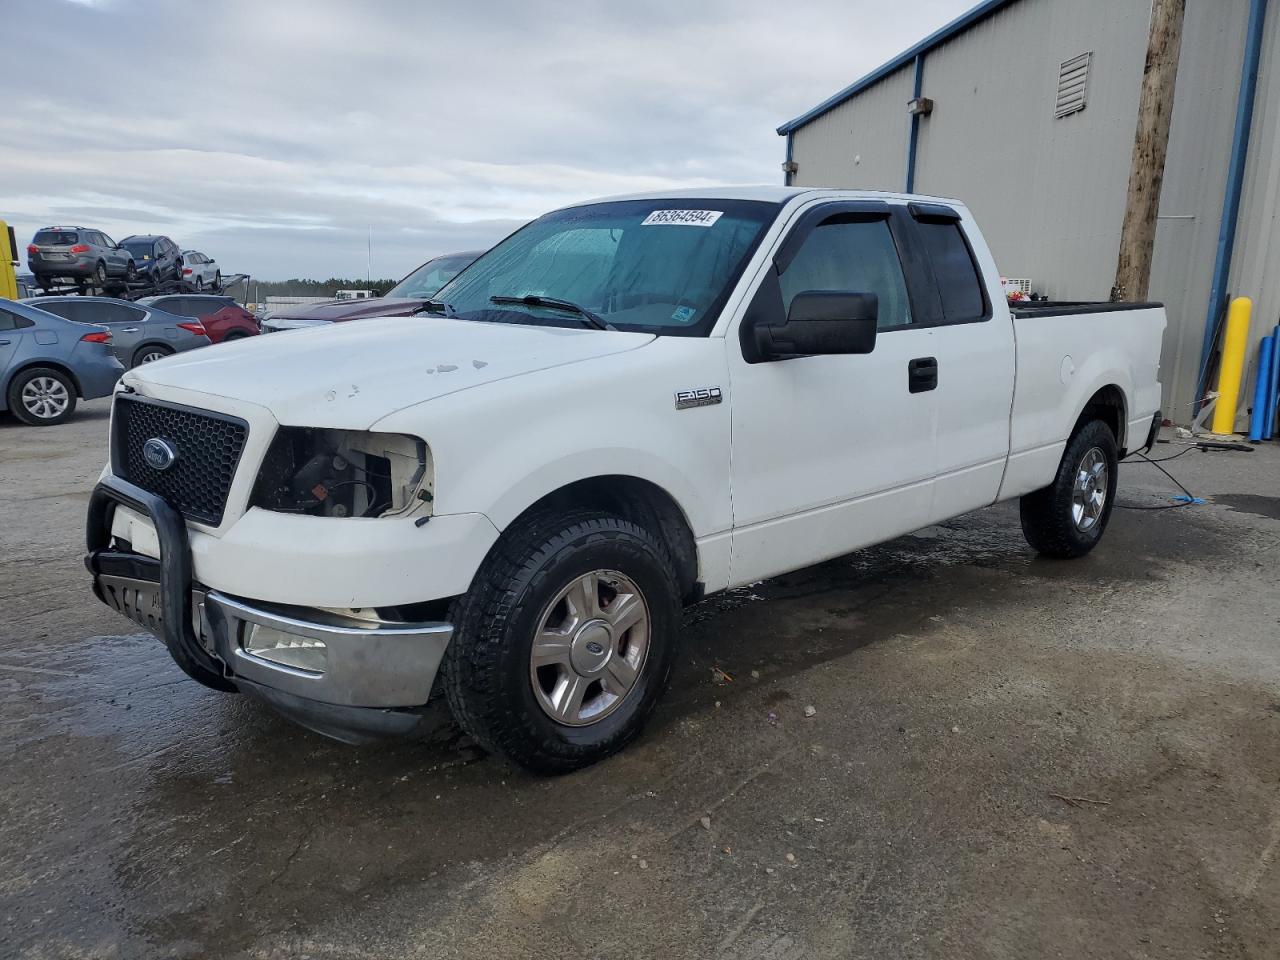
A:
[(684, 218)]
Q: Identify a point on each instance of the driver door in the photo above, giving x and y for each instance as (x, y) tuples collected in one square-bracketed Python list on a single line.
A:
[(833, 453)]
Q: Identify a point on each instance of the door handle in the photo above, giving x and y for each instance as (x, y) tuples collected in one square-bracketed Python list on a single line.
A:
[(922, 374), (5, 342), (130, 329)]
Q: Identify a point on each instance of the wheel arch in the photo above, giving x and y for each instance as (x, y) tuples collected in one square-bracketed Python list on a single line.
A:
[(641, 501), (45, 362), (1108, 404)]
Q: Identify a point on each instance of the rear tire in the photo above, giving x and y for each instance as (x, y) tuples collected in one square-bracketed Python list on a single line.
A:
[(100, 276), (609, 588), (42, 397), (199, 284), (1067, 518)]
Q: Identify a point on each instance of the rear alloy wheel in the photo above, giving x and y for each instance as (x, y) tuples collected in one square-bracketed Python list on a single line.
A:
[(565, 641), (100, 275), (131, 273), (42, 397), (150, 355), (199, 284)]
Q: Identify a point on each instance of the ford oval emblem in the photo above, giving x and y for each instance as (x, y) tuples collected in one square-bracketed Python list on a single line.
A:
[(159, 454)]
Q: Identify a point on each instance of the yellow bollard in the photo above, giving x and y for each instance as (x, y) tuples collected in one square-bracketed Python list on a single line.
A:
[(8, 257), (1231, 370)]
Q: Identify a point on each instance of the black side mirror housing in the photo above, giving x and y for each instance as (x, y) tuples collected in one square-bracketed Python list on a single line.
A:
[(821, 322)]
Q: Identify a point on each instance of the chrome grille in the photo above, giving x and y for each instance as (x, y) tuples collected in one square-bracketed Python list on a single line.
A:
[(208, 447)]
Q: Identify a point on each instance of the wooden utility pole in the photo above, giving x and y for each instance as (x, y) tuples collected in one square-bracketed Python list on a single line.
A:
[(1150, 144)]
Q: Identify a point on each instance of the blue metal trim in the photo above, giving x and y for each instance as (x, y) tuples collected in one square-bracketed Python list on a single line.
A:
[(917, 90), (958, 25), (1235, 187)]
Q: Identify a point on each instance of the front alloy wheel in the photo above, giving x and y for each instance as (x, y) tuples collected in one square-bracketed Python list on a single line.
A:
[(565, 641), (590, 648)]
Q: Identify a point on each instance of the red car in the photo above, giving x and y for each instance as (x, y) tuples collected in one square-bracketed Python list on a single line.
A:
[(223, 318)]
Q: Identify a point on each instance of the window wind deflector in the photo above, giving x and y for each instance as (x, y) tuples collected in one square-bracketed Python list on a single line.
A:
[(933, 213), (846, 211)]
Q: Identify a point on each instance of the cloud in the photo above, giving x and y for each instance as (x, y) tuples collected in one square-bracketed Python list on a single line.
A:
[(277, 135)]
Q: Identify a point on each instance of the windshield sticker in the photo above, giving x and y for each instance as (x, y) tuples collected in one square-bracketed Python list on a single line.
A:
[(683, 314), (687, 218)]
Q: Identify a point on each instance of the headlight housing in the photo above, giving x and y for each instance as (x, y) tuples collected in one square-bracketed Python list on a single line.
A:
[(345, 473)]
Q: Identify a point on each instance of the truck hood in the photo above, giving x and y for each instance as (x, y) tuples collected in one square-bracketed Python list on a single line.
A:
[(350, 375)]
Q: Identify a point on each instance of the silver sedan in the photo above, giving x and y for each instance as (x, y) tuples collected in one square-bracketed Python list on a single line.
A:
[(139, 334)]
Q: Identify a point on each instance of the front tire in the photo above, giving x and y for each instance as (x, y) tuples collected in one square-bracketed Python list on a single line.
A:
[(42, 397), (565, 641), (1067, 518)]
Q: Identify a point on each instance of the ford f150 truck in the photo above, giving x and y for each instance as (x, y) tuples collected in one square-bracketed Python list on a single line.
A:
[(623, 407)]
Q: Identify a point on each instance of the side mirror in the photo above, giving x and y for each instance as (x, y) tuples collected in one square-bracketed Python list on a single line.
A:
[(821, 322)]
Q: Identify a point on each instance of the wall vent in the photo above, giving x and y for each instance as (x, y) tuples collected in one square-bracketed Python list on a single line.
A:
[(1073, 85)]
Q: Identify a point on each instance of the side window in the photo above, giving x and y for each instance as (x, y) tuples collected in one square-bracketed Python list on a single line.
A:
[(107, 241), (8, 321), (122, 313), (858, 256), (959, 283), (59, 308)]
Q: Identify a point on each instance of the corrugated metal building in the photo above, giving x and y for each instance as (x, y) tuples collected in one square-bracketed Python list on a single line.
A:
[(1032, 124)]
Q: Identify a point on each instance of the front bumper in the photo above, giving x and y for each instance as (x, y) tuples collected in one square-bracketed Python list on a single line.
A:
[(369, 681)]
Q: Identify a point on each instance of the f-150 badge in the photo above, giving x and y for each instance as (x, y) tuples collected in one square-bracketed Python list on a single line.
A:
[(702, 397)]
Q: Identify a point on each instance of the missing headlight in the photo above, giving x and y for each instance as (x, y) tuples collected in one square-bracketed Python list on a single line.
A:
[(344, 473)]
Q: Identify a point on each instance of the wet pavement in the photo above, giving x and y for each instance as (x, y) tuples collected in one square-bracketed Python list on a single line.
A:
[(1008, 757)]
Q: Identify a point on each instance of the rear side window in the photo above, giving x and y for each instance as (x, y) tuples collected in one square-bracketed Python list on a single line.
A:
[(121, 313), (8, 321), (959, 283), (55, 238)]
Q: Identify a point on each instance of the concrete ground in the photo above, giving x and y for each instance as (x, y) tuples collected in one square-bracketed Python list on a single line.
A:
[(965, 693)]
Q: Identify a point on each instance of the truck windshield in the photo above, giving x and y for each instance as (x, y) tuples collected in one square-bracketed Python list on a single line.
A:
[(661, 266)]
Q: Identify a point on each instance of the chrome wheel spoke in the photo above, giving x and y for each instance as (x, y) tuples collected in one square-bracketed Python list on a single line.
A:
[(584, 597), (551, 647), (620, 675), (624, 612), (566, 698)]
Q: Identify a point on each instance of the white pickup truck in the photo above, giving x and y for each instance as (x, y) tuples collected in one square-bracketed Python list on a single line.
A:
[(623, 407)]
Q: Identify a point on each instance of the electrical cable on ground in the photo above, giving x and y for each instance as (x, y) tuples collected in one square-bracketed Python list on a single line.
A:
[(1191, 498)]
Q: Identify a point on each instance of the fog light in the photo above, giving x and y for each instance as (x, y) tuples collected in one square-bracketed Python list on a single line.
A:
[(286, 649)]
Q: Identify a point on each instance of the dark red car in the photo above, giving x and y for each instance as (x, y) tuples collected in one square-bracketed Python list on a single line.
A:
[(223, 318), (402, 300)]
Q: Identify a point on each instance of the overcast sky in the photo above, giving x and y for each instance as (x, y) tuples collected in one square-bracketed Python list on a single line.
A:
[(274, 134)]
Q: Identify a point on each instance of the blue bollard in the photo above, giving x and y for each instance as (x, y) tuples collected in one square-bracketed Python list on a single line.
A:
[(1273, 394), (1262, 391)]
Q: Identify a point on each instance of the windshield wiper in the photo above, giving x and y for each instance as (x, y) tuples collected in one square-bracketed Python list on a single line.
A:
[(533, 300), (435, 306)]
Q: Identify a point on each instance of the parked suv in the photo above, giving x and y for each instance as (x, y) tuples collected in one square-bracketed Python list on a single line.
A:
[(201, 271), (158, 259), (221, 317), (78, 254)]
